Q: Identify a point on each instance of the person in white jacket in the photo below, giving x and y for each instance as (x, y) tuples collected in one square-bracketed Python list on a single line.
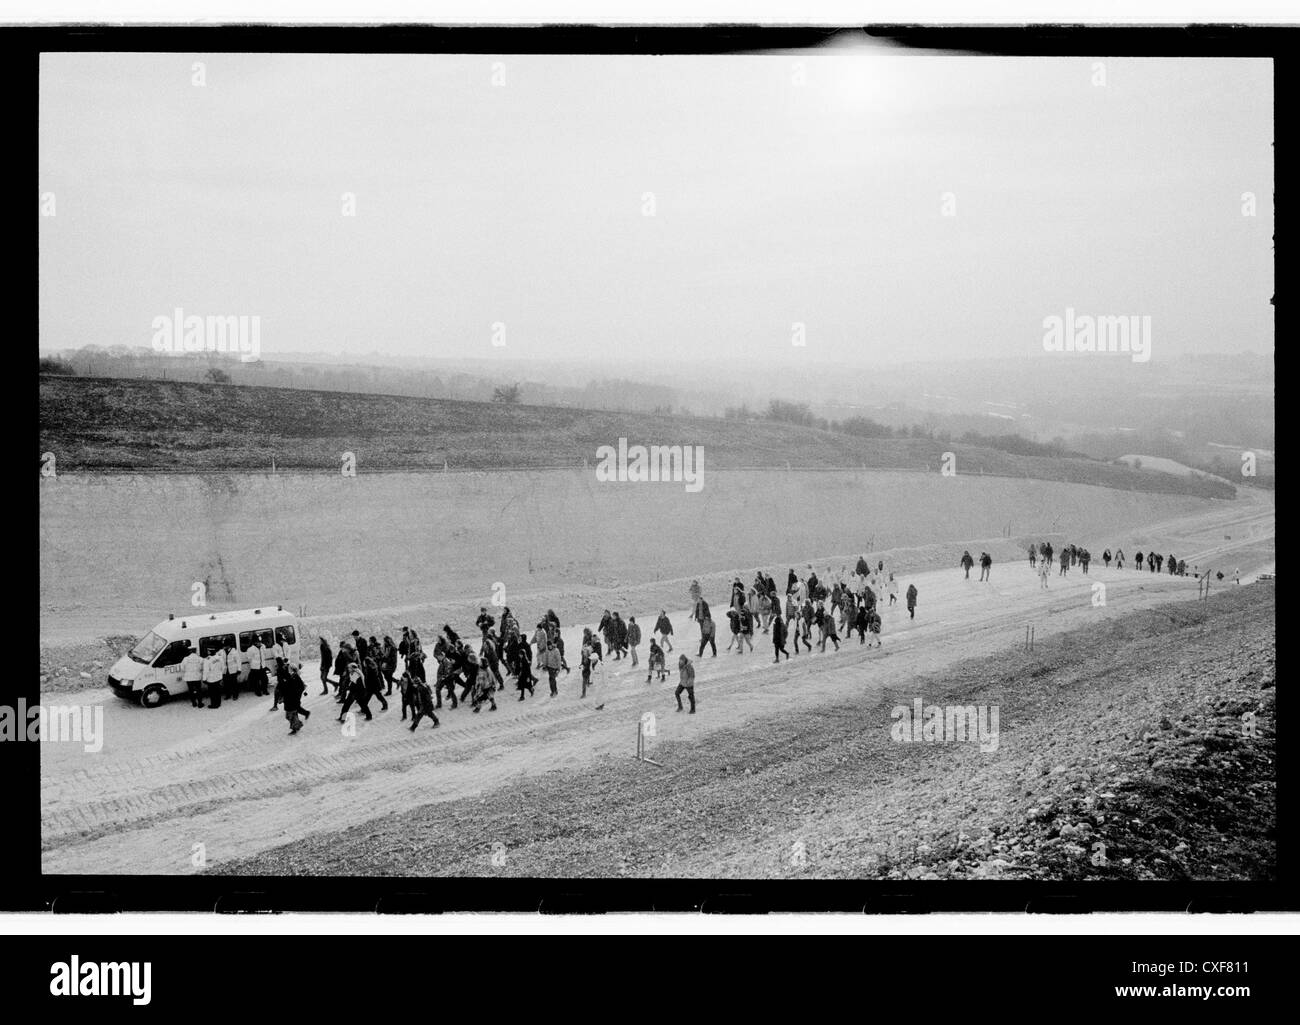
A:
[(257, 678), (213, 671), (192, 674), (232, 665)]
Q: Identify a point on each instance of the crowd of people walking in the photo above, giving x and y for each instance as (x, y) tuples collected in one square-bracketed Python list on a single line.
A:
[(808, 613), (360, 671)]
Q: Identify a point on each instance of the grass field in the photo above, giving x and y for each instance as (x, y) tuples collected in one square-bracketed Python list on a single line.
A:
[(95, 424)]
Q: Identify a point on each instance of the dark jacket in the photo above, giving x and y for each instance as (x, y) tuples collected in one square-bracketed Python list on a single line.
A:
[(291, 690)]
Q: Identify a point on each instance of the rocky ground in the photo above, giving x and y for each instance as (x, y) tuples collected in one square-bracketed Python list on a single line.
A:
[(1123, 754)]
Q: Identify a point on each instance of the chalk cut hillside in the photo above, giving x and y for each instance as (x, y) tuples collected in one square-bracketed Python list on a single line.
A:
[(99, 424)]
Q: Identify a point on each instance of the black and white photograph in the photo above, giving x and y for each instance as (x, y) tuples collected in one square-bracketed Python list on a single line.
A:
[(831, 458)]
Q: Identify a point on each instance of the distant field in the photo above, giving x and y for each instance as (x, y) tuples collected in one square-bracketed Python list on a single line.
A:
[(96, 424)]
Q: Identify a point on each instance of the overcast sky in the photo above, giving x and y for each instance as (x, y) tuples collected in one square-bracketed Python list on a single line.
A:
[(774, 202)]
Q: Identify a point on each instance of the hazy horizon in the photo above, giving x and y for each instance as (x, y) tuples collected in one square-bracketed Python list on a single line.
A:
[(523, 203)]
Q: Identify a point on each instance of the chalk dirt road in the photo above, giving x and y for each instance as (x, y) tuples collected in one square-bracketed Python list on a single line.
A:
[(172, 779)]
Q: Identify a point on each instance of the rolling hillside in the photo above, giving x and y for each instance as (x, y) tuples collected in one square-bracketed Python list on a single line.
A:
[(97, 424)]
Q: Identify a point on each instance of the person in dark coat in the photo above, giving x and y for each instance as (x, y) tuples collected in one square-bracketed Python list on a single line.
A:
[(523, 668), (466, 666), (706, 629), (491, 659), (357, 692), (417, 696), (828, 629), (374, 681), (665, 631), (778, 639), (734, 618), (326, 658), (685, 682), (860, 622), (388, 662), (911, 601), (655, 662), (445, 677), (966, 563), (873, 628), (291, 691), (620, 637), (590, 658), (747, 628), (341, 662), (633, 636)]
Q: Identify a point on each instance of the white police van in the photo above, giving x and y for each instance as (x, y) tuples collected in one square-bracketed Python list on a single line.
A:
[(151, 671)]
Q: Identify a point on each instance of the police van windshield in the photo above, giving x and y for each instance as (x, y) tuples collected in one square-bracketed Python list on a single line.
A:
[(148, 647)]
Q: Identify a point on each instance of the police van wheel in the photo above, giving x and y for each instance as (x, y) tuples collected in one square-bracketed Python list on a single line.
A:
[(153, 696)]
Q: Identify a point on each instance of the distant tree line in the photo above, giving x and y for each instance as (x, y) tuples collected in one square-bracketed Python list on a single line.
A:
[(801, 415), (54, 365)]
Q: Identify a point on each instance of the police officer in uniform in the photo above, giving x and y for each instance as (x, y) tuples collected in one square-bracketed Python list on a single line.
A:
[(192, 674)]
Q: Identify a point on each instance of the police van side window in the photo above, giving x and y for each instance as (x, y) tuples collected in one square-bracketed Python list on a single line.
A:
[(246, 638), (285, 634), (209, 645)]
